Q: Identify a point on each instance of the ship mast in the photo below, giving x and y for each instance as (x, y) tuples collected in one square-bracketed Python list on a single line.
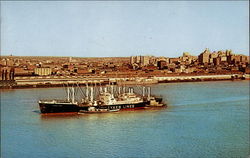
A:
[(148, 92), (100, 89), (143, 91), (87, 92), (73, 95), (119, 90), (112, 90), (68, 93), (124, 89), (91, 94)]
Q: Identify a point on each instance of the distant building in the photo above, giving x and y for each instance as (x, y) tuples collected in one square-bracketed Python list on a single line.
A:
[(144, 60), (244, 59), (174, 60), (223, 59), (84, 71), (186, 54), (7, 73), (229, 52), (135, 60), (7, 62), (216, 61), (140, 60), (20, 71), (161, 64), (43, 71), (236, 59), (204, 57), (186, 58), (214, 55), (132, 60)]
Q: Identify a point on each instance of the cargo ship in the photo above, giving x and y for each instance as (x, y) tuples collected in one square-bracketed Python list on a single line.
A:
[(105, 99)]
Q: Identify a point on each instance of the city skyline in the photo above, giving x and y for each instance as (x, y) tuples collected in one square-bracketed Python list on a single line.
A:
[(109, 29)]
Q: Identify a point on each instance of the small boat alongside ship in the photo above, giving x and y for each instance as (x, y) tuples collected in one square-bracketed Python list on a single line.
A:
[(101, 100), (95, 110)]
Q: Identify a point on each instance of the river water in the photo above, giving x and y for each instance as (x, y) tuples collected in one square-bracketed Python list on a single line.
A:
[(203, 119)]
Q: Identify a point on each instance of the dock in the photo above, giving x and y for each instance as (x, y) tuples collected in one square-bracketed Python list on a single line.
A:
[(60, 81)]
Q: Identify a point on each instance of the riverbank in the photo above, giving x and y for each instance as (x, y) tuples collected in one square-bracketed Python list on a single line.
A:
[(60, 81)]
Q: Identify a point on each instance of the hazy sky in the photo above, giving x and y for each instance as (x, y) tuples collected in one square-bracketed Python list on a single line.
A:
[(123, 28)]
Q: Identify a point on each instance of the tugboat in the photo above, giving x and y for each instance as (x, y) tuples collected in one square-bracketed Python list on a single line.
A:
[(106, 100)]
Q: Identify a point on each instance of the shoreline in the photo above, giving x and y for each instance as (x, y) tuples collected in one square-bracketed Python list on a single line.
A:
[(59, 81)]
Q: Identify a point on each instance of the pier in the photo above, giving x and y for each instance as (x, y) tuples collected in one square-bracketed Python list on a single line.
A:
[(59, 81)]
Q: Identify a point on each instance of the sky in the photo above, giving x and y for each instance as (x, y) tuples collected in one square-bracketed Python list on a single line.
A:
[(123, 28)]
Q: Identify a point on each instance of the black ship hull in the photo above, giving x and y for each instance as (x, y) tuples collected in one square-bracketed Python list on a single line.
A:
[(58, 108), (63, 108)]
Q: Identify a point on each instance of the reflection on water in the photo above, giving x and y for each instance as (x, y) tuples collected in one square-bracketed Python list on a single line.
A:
[(206, 119)]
